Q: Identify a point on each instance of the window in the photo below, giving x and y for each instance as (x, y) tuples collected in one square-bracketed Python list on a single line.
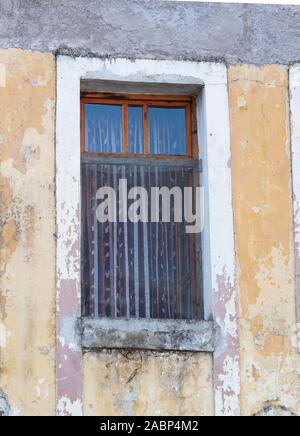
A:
[(138, 259), (209, 82)]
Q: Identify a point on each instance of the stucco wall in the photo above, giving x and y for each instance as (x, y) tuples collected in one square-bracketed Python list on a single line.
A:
[(27, 231), (145, 383), (156, 29), (261, 167), (114, 382)]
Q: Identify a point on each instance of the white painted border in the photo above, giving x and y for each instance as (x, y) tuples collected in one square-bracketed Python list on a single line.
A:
[(219, 258), (295, 155)]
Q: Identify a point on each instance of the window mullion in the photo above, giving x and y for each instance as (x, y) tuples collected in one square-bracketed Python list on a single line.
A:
[(83, 145), (146, 129), (125, 127), (188, 115)]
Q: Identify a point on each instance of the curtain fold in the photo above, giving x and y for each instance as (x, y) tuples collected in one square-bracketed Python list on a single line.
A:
[(103, 128), (138, 270), (167, 131)]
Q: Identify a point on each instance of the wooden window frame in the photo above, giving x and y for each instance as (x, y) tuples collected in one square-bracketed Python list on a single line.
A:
[(144, 101)]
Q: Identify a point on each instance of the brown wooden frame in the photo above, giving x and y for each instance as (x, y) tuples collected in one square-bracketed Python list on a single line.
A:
[(144, 101)]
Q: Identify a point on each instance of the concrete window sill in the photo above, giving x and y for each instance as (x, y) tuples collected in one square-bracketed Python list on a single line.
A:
[(142, 334)]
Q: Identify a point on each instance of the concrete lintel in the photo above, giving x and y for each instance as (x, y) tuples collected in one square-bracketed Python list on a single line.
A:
[(145, 334), (161, 84)]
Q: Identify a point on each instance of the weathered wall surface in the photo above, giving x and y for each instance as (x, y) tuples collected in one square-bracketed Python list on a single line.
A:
[(261, 166), (236, 33), (27, 227), (145, 383), (137, 383)]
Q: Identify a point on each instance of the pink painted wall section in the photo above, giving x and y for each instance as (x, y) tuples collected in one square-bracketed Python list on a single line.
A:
[(69, 355), (68, 352), (220, 245), (297, 270), (226, 358)]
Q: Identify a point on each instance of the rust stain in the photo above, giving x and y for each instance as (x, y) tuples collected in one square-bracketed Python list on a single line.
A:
[(255, 373)]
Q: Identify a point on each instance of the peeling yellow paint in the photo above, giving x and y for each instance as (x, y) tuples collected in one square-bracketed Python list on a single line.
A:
[(8, 241), (2, 76), (27, 218), (270, 364), (145, 383)]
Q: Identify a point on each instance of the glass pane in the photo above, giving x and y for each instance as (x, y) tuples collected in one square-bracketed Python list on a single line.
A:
[(144, 269), (167, 131), (103, 128), (135, 130)]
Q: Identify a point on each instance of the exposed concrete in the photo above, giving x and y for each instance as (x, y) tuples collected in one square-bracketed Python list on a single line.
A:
[(4, 405), (149, 334), (154, 29), (271, 410)]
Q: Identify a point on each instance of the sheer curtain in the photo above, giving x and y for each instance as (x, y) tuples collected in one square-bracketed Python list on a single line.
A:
[(142, 270), (103, 128), (135, 130), (167, 131)]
